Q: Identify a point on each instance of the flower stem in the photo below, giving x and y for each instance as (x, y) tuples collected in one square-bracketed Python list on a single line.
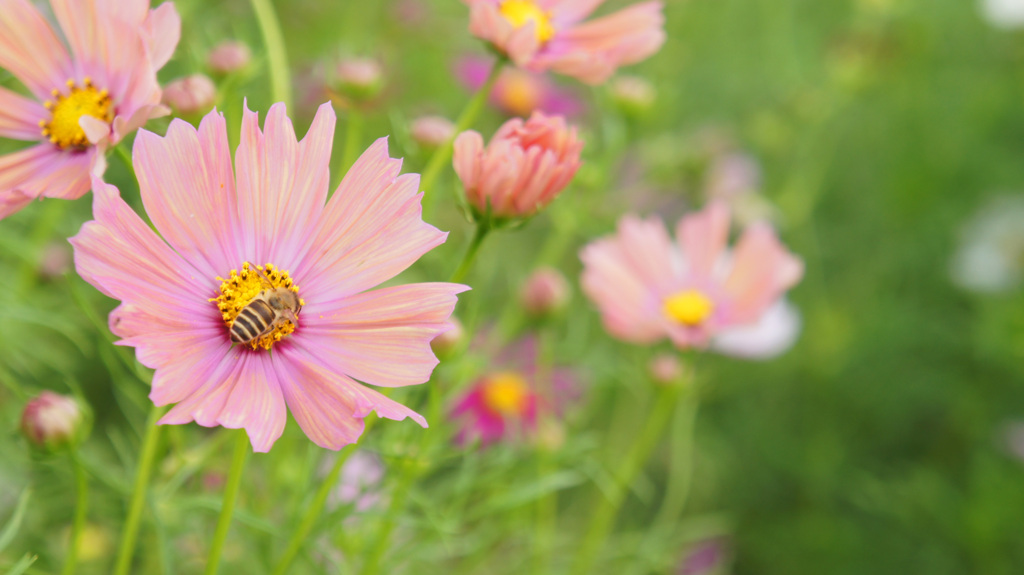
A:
[(280, 75), (482, 229), (131, 524), (353, 133), (409, 474), (469, 114), (227, 509), (601, 522), (81, 505)]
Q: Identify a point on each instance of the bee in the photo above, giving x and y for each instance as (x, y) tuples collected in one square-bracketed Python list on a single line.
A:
[(270, 308)]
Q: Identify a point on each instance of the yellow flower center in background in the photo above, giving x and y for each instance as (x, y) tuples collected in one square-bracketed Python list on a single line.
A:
[(519, 12), (63, 129), (241, 288), (506, 393), (520, 94), (690, 307)]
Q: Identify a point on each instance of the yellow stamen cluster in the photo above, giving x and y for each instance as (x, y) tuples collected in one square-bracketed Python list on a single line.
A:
[(65, 110), (241, 287), (690, 307), (519, 12), (506, 393)]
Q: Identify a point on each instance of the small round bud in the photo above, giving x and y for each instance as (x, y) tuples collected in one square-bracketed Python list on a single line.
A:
[(666, 369), (432, 132), (550, 435), (446, 343), (634, 95), (545, 292), (191, 94), (228, 56), (359, 78), (51, 420), (55, 260)]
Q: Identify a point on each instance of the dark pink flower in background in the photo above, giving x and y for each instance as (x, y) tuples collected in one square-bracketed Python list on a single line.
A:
[(188, 292), (541, 35), (83, 100), (691, 290), (518, 92)]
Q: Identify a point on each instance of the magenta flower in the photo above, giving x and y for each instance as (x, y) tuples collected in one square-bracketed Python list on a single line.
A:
[(82, 101), (541, 35), (648, 287), (186, 296), (518, 92)]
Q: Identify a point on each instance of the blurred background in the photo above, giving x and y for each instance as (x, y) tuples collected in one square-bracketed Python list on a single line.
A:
[(885, 138)]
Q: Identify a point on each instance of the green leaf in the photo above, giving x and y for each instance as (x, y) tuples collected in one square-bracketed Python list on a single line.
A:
[(11, 529), (22, 565)]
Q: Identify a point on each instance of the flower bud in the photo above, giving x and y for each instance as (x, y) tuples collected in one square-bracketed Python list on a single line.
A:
[(666, 369), (446, 343), (51, 420), (633, 95), (228, 56), (432, 132), (546, 292), (191, 94), (550, 434), (55, 260), (359, 78)]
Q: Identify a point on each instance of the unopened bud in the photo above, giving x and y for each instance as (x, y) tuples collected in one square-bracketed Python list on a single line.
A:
[(228, 56), (191, 94), (55, 260), (359, 78), (666, 369), (545, 292), (51, 420), (446, 343), (634, 95), (432, 132)]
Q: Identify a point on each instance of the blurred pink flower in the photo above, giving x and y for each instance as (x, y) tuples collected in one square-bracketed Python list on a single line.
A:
[(432, 131), (524, 167), (504, 404), (518, 92), (82, 102), (647, 287), (51, 420), (360, 476), (704, 557), (178, 312), (545, 292), (191, 94), (541, 35), (228, 56)]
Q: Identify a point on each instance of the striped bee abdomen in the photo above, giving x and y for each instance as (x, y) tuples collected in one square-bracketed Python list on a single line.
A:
[(253, 321)]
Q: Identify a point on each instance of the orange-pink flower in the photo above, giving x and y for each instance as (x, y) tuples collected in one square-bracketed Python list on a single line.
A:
[(544, 35), (82, 100), (693, 290), (524, 167)]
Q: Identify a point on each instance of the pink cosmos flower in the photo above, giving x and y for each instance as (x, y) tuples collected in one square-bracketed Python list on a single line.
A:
[(518, 92), (523, 168), (226, 236), (504, 404), (82, 101), (648, 287), (541, 35)]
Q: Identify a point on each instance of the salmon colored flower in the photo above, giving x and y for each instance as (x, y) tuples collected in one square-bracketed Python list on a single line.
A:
[(541, 35), (82, 101), (518, 92), (258, 261), (648, 287), (524, 167)]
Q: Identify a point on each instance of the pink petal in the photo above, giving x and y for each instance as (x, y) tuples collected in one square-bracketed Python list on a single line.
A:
[(774, 333), (762, 269), (30, 49), (96, 130), (163, 31), (371, 230), (702, 237), (20, 116), (565, 12), (44, 170), (469, 147), (188, 190), (381, 337), (649, 253)]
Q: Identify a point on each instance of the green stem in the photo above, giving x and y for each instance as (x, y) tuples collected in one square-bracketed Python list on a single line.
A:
[(353, 132), (131, 524), (444, 152), (273, 40), (81, 505), (227, 508), (126, 159), (52, 213), (409, 474), (482, 229), (547, 504), (601, 522)]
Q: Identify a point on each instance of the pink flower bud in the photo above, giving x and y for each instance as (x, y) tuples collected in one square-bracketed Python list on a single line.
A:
[(545, 292), (432, 132), (359, 78), (55, 260), (229, 56), (51, 420), (666, 369), (191, 94), (526, 165), (446, 343)]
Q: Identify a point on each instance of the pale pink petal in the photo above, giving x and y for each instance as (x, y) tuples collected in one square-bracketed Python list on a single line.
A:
[(371, 230), (702, 237), (762, 269), (96, 130), (44, 170), (649, 253), (163, 31), (381, 337), (30, 49), (774, 333), (469, 146), (20, 116), (188, 190), (565, 12), (124, 125)]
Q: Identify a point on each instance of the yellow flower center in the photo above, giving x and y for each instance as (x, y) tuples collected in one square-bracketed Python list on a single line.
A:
[(519, 12), (241, 288), (506, 393), (690, 307), (65, 111), (520, 94)]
